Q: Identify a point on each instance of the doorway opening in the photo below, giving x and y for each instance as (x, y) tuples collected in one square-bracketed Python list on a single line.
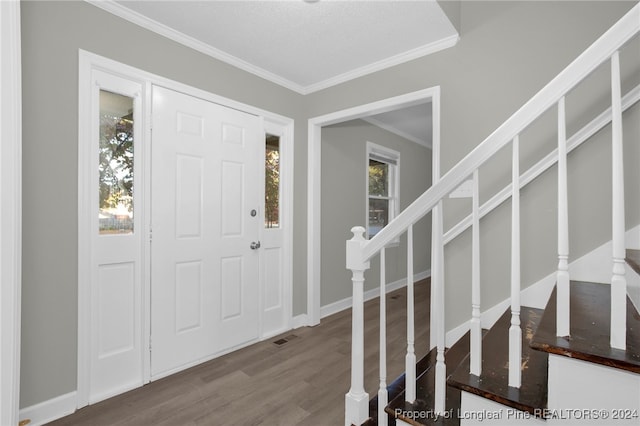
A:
[(314, 189)]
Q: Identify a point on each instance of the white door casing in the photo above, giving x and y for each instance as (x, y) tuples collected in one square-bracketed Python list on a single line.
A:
[(11, 212), (205, 282), (314, 173)]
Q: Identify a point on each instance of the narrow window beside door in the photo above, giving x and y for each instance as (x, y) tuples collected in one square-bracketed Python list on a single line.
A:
[(272, 182), (115, 164)]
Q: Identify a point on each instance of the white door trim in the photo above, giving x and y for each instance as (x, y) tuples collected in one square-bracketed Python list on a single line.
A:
[(315, 169), (87, 62), (11, 213)]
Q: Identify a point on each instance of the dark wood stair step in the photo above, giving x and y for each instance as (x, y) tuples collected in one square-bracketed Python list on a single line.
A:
[(493, 383), (590, 321), (396, 388), (425, 395)]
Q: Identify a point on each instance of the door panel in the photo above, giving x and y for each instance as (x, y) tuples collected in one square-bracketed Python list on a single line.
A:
[(189, 187), (188, 296), (204, 276), (116, 311)]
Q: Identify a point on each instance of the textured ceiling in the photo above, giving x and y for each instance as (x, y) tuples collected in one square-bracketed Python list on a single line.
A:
[(305, 46)]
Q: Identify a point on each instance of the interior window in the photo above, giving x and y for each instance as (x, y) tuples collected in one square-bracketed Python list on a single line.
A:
[(382, 190)]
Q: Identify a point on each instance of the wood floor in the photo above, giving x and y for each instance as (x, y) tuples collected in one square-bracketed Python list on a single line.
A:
[(302, 381)]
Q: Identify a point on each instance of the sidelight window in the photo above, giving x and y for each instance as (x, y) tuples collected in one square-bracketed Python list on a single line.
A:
[(272, 182), (115, 164)]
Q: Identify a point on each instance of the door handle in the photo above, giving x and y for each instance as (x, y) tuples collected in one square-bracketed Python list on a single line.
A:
[(255, 245)]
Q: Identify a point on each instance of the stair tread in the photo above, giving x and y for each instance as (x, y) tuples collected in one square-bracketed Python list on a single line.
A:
[(425, 386), (590, 329), (493, 382), (633, 259), (396, 388)]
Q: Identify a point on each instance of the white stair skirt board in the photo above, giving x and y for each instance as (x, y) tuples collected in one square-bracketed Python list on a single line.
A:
[(583, 393), (341, 305), (594, 266), (50, 410), (475, 410)]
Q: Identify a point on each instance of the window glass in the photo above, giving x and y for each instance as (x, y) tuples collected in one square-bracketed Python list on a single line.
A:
[(382, 187), (272, 182), (378, 215), (378, 178), (115, 164)]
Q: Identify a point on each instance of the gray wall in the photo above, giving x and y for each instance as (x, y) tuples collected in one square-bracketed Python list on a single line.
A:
[(452, 9), (507, 52), (344, 153), (52, 33)]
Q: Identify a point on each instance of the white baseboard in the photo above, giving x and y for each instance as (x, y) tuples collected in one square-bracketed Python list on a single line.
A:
[(301, 320), (50, 410), (341, 305)]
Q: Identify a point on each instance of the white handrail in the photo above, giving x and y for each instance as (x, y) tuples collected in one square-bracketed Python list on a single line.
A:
[(600, 51), (582, 135)]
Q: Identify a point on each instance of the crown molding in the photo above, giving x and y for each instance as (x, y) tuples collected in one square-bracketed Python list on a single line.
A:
[(401, 58), (396, 131), (147, 23)]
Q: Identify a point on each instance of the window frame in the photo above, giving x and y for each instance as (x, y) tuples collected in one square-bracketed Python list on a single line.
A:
[(390, 157)]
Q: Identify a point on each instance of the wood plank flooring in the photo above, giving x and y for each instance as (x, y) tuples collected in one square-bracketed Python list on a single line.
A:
[(301, 382)]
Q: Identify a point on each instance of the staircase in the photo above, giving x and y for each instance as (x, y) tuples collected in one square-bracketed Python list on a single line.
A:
[(577, 361)]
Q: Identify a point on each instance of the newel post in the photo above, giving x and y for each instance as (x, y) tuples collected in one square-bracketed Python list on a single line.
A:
[(357, 400)]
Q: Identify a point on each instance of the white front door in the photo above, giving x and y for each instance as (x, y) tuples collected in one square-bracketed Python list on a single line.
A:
[(205, 220)]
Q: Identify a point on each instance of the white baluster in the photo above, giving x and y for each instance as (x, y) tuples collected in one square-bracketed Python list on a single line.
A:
[(357, 400), (410, 360), (618, 280), (435, 177), (476, 324), (437, 268), (562, 312), (515, 331), (383, 396)]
